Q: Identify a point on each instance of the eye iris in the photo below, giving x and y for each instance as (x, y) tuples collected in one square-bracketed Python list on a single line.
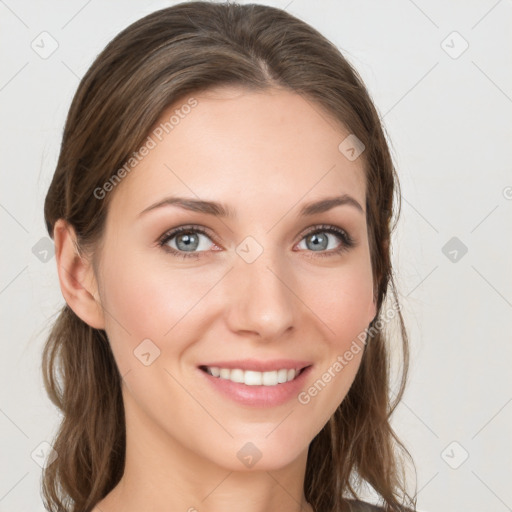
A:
[(319, 241), (190, 240)]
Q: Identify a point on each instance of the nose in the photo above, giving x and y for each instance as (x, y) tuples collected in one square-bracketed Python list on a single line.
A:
[(262, 301)]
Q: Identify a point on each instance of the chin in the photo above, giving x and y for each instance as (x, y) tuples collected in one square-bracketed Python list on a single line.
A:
[(258, 453)]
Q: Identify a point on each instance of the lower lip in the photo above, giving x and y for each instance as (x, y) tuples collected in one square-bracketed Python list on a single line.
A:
[(259, 396)]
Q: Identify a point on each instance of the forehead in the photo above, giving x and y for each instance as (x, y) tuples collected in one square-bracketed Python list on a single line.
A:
[(252, 149)]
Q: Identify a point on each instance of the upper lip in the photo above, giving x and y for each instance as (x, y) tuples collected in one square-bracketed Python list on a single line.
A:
[(260, 366)]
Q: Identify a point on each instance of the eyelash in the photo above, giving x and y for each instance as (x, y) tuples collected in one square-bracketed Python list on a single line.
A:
[(347, 241)]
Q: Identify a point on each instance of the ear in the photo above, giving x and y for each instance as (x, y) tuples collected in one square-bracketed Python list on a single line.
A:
[(76, 276)]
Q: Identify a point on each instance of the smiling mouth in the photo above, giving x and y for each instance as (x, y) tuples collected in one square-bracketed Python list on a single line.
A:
[(254, 378)]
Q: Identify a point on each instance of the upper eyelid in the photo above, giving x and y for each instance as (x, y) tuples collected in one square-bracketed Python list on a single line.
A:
[(171, 233), (203, 230)]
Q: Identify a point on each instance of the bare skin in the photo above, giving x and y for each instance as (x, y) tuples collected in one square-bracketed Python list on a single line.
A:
[(265, 155)]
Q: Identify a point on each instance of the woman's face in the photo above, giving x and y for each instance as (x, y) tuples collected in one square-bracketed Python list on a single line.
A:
[(275, 285)]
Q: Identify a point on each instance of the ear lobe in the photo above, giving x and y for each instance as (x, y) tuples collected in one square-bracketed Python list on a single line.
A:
[(76, 276)]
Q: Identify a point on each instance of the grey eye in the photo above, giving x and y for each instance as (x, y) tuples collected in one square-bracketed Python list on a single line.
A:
[(320, 241), (317, 242), (189, 241)]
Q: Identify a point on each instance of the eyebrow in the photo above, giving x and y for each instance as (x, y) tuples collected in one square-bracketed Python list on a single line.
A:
[(224, 211)]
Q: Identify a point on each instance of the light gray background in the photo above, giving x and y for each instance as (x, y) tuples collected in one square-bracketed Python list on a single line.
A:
[(448, 115)]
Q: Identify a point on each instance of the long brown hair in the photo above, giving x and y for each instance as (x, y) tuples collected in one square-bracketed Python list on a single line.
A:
[(165, 56)]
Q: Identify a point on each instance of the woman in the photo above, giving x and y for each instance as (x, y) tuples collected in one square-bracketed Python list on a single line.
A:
[(221, 213)]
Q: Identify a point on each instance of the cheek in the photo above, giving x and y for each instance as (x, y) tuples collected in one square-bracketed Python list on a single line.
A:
[(344, 303), (144, 298), (345, 308), (144, 301)]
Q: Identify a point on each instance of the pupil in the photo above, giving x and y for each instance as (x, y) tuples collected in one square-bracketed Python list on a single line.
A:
[(319, 241), (188, 240)]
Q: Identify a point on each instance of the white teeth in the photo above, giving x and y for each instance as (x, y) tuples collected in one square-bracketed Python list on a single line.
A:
[(252, 378), (270, 378), (237, 376), (282, 376)]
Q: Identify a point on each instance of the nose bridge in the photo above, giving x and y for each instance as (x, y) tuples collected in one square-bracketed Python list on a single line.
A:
[(262, 301)]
